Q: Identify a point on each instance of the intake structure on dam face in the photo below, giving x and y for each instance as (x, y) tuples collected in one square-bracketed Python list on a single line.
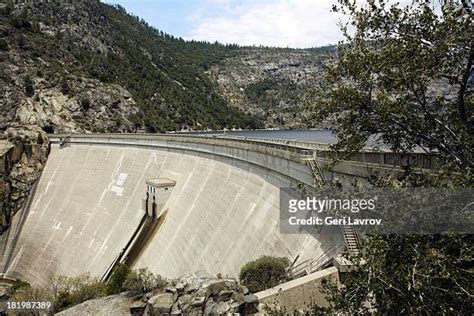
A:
[(222, 212)]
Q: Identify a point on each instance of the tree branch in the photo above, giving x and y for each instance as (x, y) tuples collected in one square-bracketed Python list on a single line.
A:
[(466, 6), (462, 91)]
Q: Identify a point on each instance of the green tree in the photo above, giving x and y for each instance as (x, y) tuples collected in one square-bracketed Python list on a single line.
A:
[(142, 280), (409, 275), (3, 45), (403, 75), (263, 273), (86, 104), (29, 86), (117, 279), (18, 284)]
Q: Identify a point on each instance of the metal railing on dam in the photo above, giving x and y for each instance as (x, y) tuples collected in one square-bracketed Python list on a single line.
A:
[(295, 150)]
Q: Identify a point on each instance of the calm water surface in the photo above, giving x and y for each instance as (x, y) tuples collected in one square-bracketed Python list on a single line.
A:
[(318, 136)]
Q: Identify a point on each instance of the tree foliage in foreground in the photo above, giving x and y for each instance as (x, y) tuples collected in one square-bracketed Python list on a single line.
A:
[(405, 76), (409, 274), (63, 292), (117, 280)]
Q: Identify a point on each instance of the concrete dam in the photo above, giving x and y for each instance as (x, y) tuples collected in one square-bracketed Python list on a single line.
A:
[(221, 209)]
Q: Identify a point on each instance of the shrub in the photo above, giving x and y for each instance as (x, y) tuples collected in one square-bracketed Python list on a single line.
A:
[(117, 279), (70, 291), (3, 45), (65, 89), (62, 291), (18, 284), (48, 128), (142, 280), (21, 20), (29, 88), (7, 10), (84, 288), (32, 294), (86, 104), (264, 273), (63, 301)]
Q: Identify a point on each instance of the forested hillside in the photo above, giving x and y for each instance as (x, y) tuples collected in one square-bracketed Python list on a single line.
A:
[(90, 66)]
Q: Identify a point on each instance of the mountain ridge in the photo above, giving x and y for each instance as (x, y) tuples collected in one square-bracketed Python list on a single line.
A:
[(157, 82)]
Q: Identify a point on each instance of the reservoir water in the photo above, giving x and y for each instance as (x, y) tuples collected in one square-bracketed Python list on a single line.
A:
[(319, 136)]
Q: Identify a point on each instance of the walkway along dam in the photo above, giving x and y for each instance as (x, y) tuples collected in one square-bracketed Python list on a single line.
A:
[(219, 204)]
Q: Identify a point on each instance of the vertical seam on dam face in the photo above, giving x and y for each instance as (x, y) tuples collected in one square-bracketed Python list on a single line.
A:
[(220, 214)]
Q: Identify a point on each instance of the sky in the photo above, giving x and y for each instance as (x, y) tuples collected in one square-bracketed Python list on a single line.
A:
[(280, 23)]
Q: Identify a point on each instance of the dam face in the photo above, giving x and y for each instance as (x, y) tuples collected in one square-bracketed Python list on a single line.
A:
[(221, 214)]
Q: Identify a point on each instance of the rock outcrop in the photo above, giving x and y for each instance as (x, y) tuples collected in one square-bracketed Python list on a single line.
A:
[(44, 84), (191, 295), (43, 89), (194, 295), (270, 82), (58, 100), (23, 153), (88, 105)]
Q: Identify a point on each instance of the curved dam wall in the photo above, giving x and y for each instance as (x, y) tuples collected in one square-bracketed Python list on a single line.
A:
[(222, 213)]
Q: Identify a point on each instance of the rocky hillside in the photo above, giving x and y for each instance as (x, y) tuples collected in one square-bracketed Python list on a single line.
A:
[(23, 153), (44, 85), (88, 66), (270, 83)]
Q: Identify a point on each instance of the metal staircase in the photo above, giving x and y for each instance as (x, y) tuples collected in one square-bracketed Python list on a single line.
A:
[(316, 170), (351, 240)]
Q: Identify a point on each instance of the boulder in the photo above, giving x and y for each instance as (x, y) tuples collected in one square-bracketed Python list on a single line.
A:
[(198, 301), (137, 308), (161, 303), (197, 296), (180, 286)]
